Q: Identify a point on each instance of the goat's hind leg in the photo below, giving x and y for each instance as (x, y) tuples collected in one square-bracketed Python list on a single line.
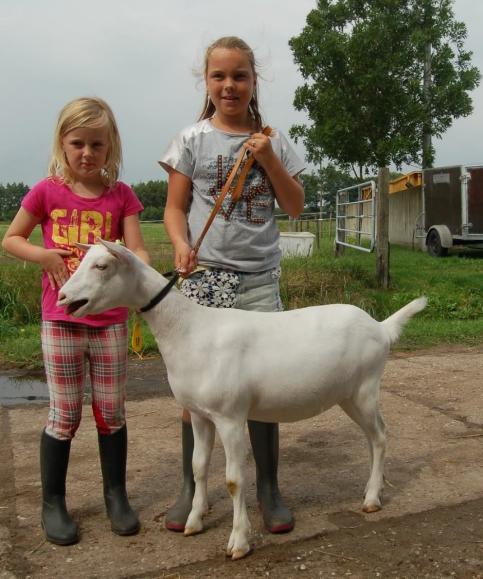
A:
[(364, 411), (232, 434), (204, 436)]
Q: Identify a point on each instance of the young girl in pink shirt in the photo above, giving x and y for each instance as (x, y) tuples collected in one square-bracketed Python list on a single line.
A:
[(79, 201)]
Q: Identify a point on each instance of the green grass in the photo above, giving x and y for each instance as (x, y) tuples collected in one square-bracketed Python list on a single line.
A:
[(454, 287)]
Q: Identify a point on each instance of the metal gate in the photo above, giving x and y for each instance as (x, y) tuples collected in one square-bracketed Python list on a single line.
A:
[(356, 216)]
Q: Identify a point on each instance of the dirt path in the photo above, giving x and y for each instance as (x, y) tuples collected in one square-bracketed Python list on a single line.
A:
[(431, 524)]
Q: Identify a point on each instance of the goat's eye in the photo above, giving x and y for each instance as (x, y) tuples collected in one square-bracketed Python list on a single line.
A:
[(101, 266)]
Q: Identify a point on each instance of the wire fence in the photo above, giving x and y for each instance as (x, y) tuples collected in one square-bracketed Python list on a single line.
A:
[(322, 228), (20, 281), (160, 249)]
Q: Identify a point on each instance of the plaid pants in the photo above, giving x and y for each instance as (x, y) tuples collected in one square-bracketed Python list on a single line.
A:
[(67, 347)]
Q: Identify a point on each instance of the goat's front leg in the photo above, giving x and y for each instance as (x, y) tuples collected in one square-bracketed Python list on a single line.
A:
[(204, 436), (232, 434)]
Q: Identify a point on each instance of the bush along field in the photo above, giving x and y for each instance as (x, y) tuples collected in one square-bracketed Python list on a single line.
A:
[(453, 285)]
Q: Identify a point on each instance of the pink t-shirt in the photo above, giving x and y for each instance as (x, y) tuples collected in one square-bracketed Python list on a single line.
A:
[(66, 218)]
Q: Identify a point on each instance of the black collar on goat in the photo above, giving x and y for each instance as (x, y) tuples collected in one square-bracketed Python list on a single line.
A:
[(162, 293)]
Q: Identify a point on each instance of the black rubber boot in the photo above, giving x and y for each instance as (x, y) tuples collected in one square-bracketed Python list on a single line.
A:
[(113, 454), (177, 515), (58, 526), (264, 439)]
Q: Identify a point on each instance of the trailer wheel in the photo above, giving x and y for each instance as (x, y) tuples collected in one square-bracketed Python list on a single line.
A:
[(433, 243)]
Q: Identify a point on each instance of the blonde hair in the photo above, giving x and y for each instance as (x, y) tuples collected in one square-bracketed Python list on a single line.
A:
[(86, 112), (230, 43)]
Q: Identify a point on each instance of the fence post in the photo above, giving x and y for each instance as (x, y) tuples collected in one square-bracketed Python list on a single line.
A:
[(382, 238), (340, 233)]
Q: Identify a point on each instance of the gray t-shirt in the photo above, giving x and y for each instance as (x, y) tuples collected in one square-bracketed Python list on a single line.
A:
[(243, 236)]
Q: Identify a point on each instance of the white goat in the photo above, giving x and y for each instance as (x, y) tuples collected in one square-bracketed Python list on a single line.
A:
[(228, 365)]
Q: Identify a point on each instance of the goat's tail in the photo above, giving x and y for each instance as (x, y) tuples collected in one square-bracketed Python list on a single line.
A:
[(395, 323)]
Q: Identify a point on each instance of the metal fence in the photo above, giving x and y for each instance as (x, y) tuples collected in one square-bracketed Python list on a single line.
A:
[(311, 222), (356, 217)]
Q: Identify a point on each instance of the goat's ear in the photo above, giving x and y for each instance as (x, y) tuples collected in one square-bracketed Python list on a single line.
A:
[(83, 246), (116, 249)]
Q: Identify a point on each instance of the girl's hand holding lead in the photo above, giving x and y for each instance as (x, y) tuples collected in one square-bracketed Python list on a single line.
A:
[(185, 259), (53, 263), (260, 147)]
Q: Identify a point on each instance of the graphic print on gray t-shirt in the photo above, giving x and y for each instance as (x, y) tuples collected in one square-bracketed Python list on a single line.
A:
[(257, 196), (243, 237)]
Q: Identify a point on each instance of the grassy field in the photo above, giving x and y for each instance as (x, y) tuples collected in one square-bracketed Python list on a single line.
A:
[(454, 286)]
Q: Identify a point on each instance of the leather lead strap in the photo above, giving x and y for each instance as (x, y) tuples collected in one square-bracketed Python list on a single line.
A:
[(236, 194)]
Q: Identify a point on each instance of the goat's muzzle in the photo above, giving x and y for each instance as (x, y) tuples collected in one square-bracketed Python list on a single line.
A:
[(72, 307)]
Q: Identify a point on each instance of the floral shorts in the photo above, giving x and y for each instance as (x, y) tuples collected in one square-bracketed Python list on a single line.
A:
[(221, 288)]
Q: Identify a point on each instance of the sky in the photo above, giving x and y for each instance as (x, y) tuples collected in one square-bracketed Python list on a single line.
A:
[(143, 58)]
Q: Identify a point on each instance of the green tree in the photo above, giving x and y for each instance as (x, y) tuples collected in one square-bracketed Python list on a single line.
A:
[(364, 63), (152, 195), (11, 195), (152, 213), (325, 183), (312, 188), (332, 180)]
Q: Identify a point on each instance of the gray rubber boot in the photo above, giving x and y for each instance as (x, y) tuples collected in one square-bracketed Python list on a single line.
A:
[(264, 440), (58, 526), (113, 455), (177, 515)]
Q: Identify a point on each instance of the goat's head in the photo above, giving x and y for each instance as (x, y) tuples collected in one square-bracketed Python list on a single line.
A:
[(104, 280)]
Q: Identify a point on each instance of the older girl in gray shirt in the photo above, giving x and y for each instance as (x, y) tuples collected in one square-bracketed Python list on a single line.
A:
[(238, 263)]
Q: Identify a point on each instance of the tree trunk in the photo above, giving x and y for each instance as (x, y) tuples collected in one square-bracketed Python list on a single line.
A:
[(382, 228)]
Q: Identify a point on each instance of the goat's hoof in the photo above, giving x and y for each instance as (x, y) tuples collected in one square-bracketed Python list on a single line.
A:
[(371, 508), (188, 531), (238, 553)]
